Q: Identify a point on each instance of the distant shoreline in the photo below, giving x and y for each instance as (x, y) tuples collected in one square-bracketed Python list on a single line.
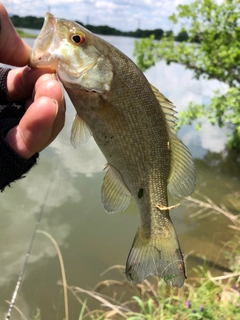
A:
[(26, 35), (31, 22)]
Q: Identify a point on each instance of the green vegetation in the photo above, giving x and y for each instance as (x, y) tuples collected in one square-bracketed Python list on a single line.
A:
[(202, 300), (25, 35), (211, 48), (29, 22)]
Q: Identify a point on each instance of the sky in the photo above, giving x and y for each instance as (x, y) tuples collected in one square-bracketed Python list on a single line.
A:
[(125, 15)]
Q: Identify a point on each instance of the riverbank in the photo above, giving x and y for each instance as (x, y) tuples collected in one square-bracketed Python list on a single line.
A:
[(25, 35)]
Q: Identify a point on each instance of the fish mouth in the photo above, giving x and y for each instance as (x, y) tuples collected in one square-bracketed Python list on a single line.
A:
[(42, 52), (47, 28)]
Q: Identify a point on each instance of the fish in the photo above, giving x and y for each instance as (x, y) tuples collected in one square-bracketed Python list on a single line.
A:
[(133, 124)]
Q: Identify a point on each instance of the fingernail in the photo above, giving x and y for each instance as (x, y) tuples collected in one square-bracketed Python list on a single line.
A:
[(63, 105), (54, 76), (56, 106)]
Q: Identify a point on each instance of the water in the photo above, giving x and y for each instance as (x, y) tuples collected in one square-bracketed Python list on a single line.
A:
[(90, 239)]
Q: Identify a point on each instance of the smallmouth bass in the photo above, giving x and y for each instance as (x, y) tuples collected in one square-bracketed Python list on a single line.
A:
[(133, 125)]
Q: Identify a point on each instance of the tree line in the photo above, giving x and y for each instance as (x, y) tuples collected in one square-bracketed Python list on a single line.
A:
[(32, 22)]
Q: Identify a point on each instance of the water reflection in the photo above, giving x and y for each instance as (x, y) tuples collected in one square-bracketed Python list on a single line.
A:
[(68, 182)]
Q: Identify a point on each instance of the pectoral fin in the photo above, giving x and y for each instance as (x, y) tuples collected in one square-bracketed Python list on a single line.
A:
[(115, 194), (80, 132)]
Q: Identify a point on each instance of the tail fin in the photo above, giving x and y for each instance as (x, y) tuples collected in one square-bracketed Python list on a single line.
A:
[(158, 256)]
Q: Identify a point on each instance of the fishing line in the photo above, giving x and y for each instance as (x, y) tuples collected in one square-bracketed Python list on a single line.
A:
[(23, 269)]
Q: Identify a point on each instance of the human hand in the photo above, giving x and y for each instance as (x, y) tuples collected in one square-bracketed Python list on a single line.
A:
[(42, 93)]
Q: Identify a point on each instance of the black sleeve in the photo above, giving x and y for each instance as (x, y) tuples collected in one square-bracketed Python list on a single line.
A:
[(12, 166)]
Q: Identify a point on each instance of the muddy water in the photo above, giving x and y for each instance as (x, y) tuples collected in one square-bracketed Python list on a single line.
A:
[(66, 186)]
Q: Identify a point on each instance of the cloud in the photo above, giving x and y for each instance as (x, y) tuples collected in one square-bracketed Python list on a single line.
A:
[(123, 15)]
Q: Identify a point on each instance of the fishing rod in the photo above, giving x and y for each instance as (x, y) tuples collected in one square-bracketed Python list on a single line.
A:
[(23, 269)]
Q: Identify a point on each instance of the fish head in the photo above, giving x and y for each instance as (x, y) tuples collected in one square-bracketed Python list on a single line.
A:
[(74, 53)]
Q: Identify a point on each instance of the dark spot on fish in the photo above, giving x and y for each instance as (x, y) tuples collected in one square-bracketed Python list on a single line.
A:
[(111, 137), (140, 193), (105, 137)]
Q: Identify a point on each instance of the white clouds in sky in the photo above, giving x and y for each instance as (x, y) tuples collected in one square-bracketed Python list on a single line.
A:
[(125, 15)]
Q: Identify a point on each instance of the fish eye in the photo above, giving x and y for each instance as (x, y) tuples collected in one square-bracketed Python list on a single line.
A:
[(78, 38)]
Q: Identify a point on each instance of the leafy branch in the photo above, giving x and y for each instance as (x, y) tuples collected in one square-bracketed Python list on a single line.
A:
[(211, 50)]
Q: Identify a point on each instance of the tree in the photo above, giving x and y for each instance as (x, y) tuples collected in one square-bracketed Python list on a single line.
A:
[(211, 50), (30, 22)]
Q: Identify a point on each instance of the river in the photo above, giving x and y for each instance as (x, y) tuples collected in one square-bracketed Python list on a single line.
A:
[(66, 185)]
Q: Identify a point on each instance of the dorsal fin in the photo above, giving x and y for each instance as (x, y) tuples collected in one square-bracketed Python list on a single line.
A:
[(168, 109), (182, 176)]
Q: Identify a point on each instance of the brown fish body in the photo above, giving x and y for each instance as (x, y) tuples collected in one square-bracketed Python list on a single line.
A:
[(132, 123), (111, 128)]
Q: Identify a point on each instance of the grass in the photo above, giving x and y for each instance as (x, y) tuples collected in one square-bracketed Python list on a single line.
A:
[(23, 34), (202, 296)]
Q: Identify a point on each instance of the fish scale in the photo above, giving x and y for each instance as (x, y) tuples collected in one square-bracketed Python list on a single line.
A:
[(133, 125)]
